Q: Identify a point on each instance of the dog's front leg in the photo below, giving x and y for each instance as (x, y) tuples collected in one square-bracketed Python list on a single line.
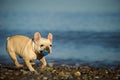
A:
[(43, 62), (27, 61)]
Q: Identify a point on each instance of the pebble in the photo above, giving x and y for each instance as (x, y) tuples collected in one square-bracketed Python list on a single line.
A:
[(49, 69), (54, 71), (60, 72), (6, 73), (24, 72), (97, 77), (77, 73), (45, 78), (2, 77), (85, 77), (17, 73), (55, 78), (50, 64), (70, 77)]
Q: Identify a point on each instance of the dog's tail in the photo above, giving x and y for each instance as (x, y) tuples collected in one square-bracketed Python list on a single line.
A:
[(7, 42), (8, 38)]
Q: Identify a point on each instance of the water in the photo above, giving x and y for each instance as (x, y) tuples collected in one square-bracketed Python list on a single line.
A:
[(77, 38)]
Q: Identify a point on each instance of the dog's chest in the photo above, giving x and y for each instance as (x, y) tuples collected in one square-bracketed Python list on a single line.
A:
[(32, 55)]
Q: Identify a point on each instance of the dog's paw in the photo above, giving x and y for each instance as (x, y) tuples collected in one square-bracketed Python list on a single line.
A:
[(32, 63), (35, 72), (43, 67), (19, 66)]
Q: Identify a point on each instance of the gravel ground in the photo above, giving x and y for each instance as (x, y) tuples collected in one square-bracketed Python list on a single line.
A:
[(59, 72)]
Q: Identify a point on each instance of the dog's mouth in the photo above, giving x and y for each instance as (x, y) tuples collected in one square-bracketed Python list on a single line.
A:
[(48, 51), (44, 52)]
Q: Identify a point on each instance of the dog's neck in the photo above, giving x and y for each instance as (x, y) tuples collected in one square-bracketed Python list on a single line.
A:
[(33, 45)]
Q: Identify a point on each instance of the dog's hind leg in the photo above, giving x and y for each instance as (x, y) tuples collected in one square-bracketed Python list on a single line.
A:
[(14, 58), (11, 52)]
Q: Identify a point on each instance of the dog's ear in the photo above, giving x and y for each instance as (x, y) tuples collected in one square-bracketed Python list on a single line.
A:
[(37, 36), (50, 37)]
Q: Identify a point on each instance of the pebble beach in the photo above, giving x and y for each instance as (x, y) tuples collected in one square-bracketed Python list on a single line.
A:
[(59, 72)]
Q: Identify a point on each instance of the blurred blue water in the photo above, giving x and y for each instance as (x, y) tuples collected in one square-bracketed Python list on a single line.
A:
[(60, 21), (75, 35)]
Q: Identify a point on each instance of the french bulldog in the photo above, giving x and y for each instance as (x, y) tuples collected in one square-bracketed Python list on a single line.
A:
[(29, 49)]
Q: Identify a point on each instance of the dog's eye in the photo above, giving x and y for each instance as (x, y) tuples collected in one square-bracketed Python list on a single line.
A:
[(41, 45), (50, 45)]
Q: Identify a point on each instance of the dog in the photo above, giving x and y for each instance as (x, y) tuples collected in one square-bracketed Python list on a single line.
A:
[(29, 49)]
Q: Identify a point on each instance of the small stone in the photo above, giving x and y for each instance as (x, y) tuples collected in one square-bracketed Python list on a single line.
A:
[(16, 73), (38, 78), (61, 73), (10, 70), (70, 77), (77, 73), (2, 77), (117, 77), (67, 76), (86, 67), (53, 71), (50, 64), (45, 78), (32, 79), (106, 71), (50, 69), (23, 78), (85, 77), (97, 77), (6, 73), (67, 73), (63, 65), (41, 76), (55, 78), (24, 72)]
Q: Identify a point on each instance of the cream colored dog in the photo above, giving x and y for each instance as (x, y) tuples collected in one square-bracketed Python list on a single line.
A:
[(29, 49)]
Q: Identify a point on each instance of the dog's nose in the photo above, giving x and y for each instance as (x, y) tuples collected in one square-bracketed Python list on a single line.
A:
[(47, 48)]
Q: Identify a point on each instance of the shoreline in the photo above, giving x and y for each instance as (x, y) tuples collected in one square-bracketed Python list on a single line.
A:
[(59, 72)]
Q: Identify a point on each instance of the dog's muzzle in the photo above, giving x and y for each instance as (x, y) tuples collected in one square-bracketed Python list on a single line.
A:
[(46, 49), (45, 52)]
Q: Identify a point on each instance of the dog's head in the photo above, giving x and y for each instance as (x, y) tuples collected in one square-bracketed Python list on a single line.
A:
[(41, 44)]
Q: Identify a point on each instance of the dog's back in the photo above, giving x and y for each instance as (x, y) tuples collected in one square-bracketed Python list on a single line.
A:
[(16, 43)]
